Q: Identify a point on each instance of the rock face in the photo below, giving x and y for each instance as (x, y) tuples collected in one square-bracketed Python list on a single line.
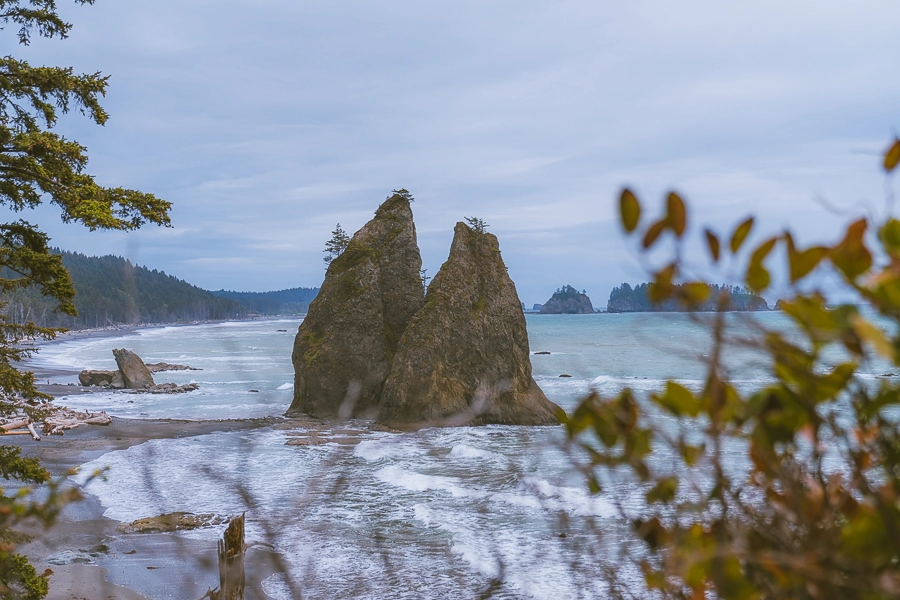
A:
[(345, 345), (567, 301), (464, 358), (134, 372), (89, 377)]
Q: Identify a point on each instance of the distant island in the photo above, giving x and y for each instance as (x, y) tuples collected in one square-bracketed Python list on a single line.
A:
[(625, 299), (113, 291), (567, 301)]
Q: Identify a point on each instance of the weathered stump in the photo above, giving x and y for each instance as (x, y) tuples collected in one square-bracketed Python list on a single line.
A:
[(231, 563)]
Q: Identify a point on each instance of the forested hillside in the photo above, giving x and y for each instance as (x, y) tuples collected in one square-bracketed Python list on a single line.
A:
[(624, 298), (280, 302), (112, 291)]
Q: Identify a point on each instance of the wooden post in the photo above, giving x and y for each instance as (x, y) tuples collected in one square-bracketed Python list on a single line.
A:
[(231, 563)]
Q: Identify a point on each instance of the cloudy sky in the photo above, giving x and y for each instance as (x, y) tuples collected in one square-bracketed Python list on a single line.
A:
[(266, 122)]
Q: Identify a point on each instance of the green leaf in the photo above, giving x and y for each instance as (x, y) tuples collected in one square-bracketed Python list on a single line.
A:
[(740, 234), (712, 242), (664, 490), (678, 400), (676, 214), (629, 210)]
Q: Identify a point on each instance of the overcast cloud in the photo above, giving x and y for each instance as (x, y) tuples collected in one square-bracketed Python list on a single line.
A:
[(266, 122)]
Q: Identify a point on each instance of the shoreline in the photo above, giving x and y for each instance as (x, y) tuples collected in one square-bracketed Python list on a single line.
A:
[(133, 566), (136, 566)]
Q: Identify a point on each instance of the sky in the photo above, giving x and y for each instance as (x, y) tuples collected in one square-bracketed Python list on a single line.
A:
[(267, 122)]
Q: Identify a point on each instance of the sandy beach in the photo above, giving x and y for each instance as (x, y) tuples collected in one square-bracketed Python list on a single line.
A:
[(126, 566)]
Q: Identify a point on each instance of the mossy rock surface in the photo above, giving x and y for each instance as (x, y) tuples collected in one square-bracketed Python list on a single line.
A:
[(464, 357), (343, 349)]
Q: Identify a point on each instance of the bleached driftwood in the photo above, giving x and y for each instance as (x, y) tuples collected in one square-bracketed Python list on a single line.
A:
[(34, 434), (18, 423)]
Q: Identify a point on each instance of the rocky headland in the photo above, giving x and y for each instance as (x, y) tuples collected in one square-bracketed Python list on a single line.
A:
[(344, 347), (464, 358), (567, 301)]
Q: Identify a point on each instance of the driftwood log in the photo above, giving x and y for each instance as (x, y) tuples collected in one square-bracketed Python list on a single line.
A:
[(231, 563)]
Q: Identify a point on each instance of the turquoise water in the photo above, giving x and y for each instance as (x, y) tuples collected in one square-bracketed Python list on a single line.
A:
[(433, 514)]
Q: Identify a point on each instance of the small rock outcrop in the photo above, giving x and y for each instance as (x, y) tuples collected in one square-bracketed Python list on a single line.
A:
[(164, 366), (344, 347), (176, 521), (100, 378), (567, 301), (464, 357), (134, 371)]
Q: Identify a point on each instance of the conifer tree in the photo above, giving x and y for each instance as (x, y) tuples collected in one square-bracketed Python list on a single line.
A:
[(38, 165), (336, 245)]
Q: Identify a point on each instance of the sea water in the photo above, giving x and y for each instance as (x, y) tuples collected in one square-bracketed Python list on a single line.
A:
[(443, 512)]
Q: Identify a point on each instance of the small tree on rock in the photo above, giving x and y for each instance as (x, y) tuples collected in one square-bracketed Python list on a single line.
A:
[(336, 245)]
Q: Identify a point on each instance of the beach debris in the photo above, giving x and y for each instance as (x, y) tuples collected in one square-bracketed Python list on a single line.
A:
[(65, 418), (231, 563), (175, 521), (22, 416)]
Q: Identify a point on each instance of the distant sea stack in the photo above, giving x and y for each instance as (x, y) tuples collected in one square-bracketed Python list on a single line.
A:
[(568, 301), (464, 358), (624, 299), (344, 347)]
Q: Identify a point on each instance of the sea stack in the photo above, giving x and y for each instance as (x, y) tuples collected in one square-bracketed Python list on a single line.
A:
[(344, 347), (464, 357), (568, 301)]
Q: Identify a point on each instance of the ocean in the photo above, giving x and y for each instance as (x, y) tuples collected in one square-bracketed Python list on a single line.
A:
[(356, 511)]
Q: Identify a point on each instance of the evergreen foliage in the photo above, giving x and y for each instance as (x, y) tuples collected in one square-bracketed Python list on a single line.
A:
[(113, 291), (624, 298), (280, 302), (37, 165), (336, 244)]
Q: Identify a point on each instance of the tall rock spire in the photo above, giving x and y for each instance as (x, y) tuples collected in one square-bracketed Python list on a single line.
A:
[(464, 357), (344, 347)]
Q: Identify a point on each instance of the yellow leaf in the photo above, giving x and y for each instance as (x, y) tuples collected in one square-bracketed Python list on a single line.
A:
[(758, 277), (653, 233), (712, 243), (802, 262), (629, 210), (892, 156), (851, 256), (676, 214), (740, 234), (873, 335)]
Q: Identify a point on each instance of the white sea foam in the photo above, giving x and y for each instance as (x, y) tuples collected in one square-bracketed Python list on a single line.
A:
[(466, 451), (285, 386)]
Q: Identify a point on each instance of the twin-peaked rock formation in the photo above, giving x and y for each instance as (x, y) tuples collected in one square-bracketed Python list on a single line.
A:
[(372, 346)]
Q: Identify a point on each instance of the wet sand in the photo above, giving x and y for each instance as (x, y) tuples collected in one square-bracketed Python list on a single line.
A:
[(124, 566), (159, 565)]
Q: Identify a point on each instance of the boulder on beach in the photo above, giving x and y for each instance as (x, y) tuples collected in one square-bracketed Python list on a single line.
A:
[(134, 372), (464, 357), (90, 377), (344, 347)]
